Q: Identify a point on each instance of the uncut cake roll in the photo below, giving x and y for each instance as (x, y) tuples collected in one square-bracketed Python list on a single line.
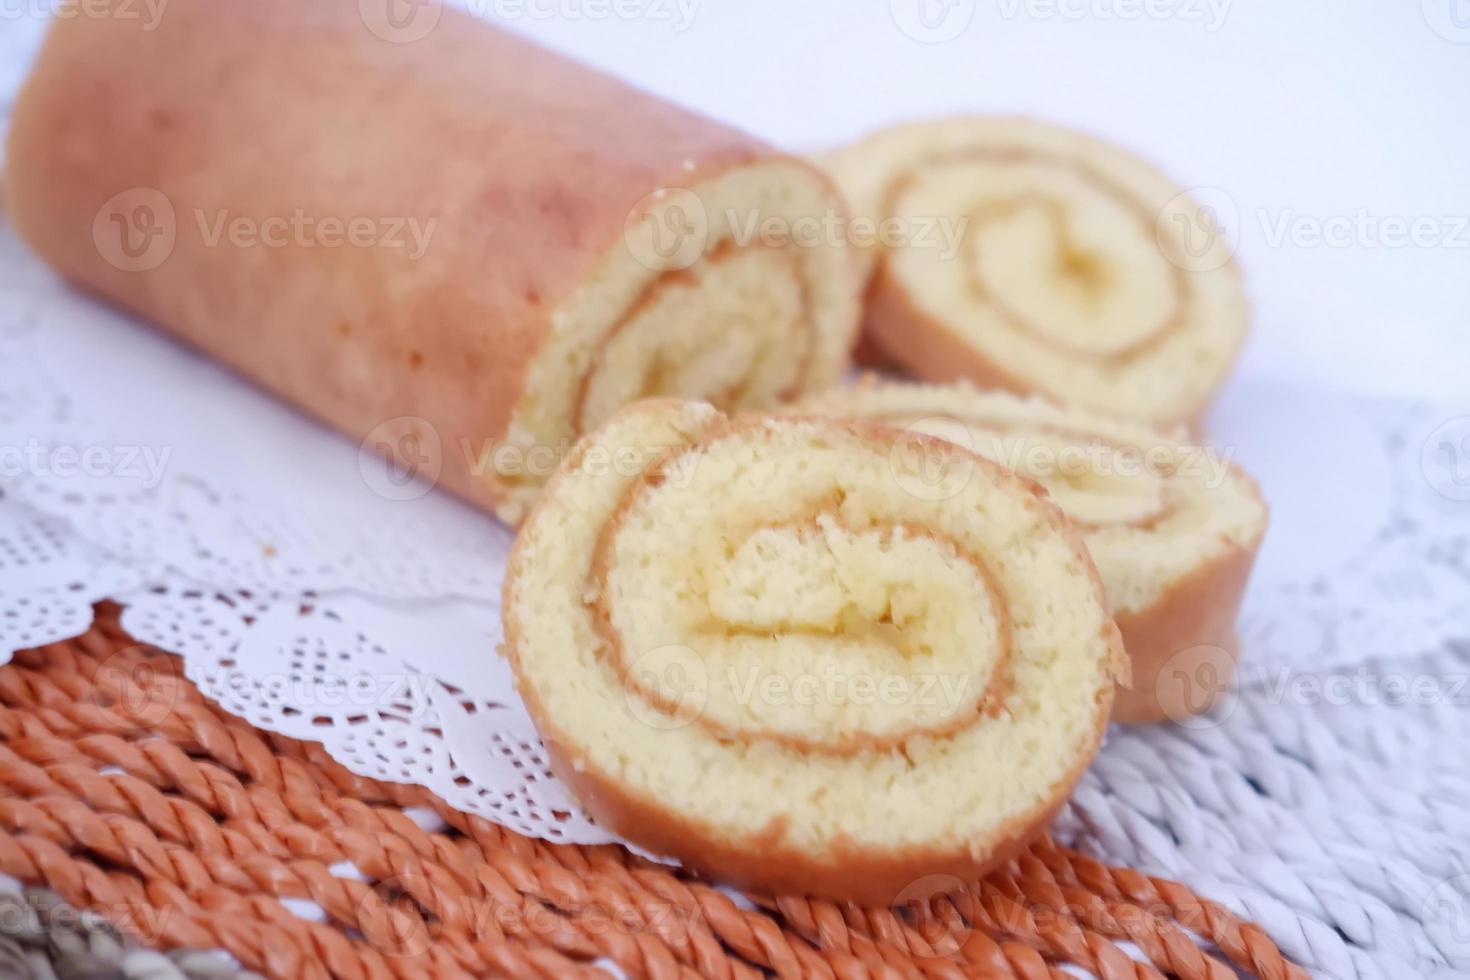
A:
[(1067, 267), (775, 652), (1174, 527), (434, 235)]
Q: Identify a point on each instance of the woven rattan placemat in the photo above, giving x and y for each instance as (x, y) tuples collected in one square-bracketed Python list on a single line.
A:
[(134, 798)]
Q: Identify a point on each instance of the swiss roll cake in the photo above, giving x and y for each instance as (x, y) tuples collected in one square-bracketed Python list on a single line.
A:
[(1077, 270), (787, 653), (438, 235)]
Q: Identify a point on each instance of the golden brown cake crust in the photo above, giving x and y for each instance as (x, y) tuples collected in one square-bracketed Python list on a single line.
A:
[(761, 860), (900, 330), (528, 163), (1184, 647), (762, 863)]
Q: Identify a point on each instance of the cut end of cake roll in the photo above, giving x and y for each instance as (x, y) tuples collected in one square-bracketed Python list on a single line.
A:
[(1173, 527), (554, 243), (808, 656), (733, 290), (1072, 269)]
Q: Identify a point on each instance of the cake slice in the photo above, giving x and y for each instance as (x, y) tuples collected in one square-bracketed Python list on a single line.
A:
[(808, 656), (1070, 268)]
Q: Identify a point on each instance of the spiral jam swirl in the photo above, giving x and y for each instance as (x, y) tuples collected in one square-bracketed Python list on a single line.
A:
[(1057, 251), (736, 330), (818, 611), (1070, 268), (700, 299), (807, 654)]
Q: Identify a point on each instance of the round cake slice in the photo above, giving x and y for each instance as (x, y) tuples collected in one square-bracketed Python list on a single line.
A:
[(1173, 527), (808, 656), (1066, 267)]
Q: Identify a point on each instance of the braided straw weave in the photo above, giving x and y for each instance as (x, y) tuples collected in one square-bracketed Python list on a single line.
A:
[(133, 797)]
